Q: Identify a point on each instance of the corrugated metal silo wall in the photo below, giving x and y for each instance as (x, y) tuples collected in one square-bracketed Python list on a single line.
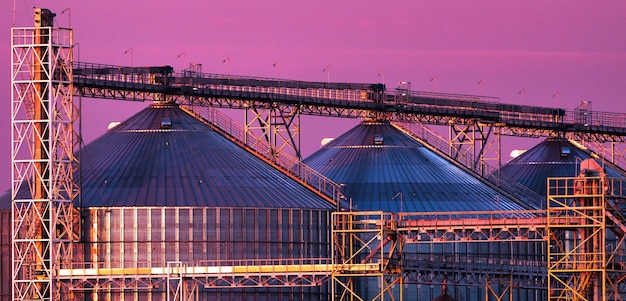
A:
[(153, 236), (5, 255), (466, 266)]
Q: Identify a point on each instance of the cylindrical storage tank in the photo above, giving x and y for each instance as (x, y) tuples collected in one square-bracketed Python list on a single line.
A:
[(185, 196), (155, 237), (552, 158), (563, 158), (5, 247), (382, 168)]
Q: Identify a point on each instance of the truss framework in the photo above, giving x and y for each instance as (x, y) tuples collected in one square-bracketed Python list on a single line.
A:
[(279, 125), (475, 141), (370, 239), (43, 162), (370, 245), (480, 116), (580, 264), (435, 142)]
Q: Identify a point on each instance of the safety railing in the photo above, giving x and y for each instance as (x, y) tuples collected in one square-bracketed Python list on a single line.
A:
[(286, 161), (484, 170), (32, 36), (449, 96), (343, 95), (224, 267), (588, 118)]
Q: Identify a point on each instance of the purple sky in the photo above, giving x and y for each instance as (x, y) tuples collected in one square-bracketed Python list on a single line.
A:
[(577, 48)]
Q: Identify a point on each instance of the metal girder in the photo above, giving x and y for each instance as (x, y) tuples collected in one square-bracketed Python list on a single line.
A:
[(525, 132), (454, 227), (581, 213), (279, 125), (184, 281), (476, 141), (330, 111), (429, 119), (613, 153), (533, 279), (366, 240), (594, 137), (119, 94), (43, 162), (507, 290)]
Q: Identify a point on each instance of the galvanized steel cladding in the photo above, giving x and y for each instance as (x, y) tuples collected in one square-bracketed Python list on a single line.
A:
[(153, 236), (148, 237), (5, 255), (384, 169), (553, 157), (139, 163), (155, 193), (184, 193)]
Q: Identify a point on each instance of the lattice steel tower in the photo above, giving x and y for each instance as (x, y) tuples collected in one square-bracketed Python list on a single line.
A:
[(43, 162), (585, 216)]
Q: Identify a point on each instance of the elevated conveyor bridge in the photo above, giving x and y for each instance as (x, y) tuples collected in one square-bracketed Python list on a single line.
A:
[(337, 99), (273, 107)]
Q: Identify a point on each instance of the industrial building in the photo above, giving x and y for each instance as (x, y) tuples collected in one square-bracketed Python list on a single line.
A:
[(180, 203), (383, 168), (553, 157), (396, 173), (153, 194)]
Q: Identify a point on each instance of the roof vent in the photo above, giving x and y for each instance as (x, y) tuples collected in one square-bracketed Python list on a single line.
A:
[(378, 140), (166, 123), (565, 151)]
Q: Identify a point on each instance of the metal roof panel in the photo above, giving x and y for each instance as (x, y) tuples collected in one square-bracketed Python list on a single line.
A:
[(378, 176), (548, 159), (139, 163)]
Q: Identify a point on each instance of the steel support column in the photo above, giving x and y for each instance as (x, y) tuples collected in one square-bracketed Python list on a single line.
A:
[(366, 245), (278, 124), (478, 141), (577, 250), (43, 162), (491, 290)]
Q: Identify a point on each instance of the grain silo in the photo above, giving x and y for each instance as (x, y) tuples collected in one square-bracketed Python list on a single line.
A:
[(382, 168), (553, 157), (162, 187), (5, 246)]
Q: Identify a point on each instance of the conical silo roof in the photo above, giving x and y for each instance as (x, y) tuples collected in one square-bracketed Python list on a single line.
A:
[(5, 200), (553, 157), (163, 156), (384, 169)]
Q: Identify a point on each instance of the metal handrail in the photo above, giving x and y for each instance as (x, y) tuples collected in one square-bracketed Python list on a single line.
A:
[(485, 170), (287, 161), (164, 79)]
